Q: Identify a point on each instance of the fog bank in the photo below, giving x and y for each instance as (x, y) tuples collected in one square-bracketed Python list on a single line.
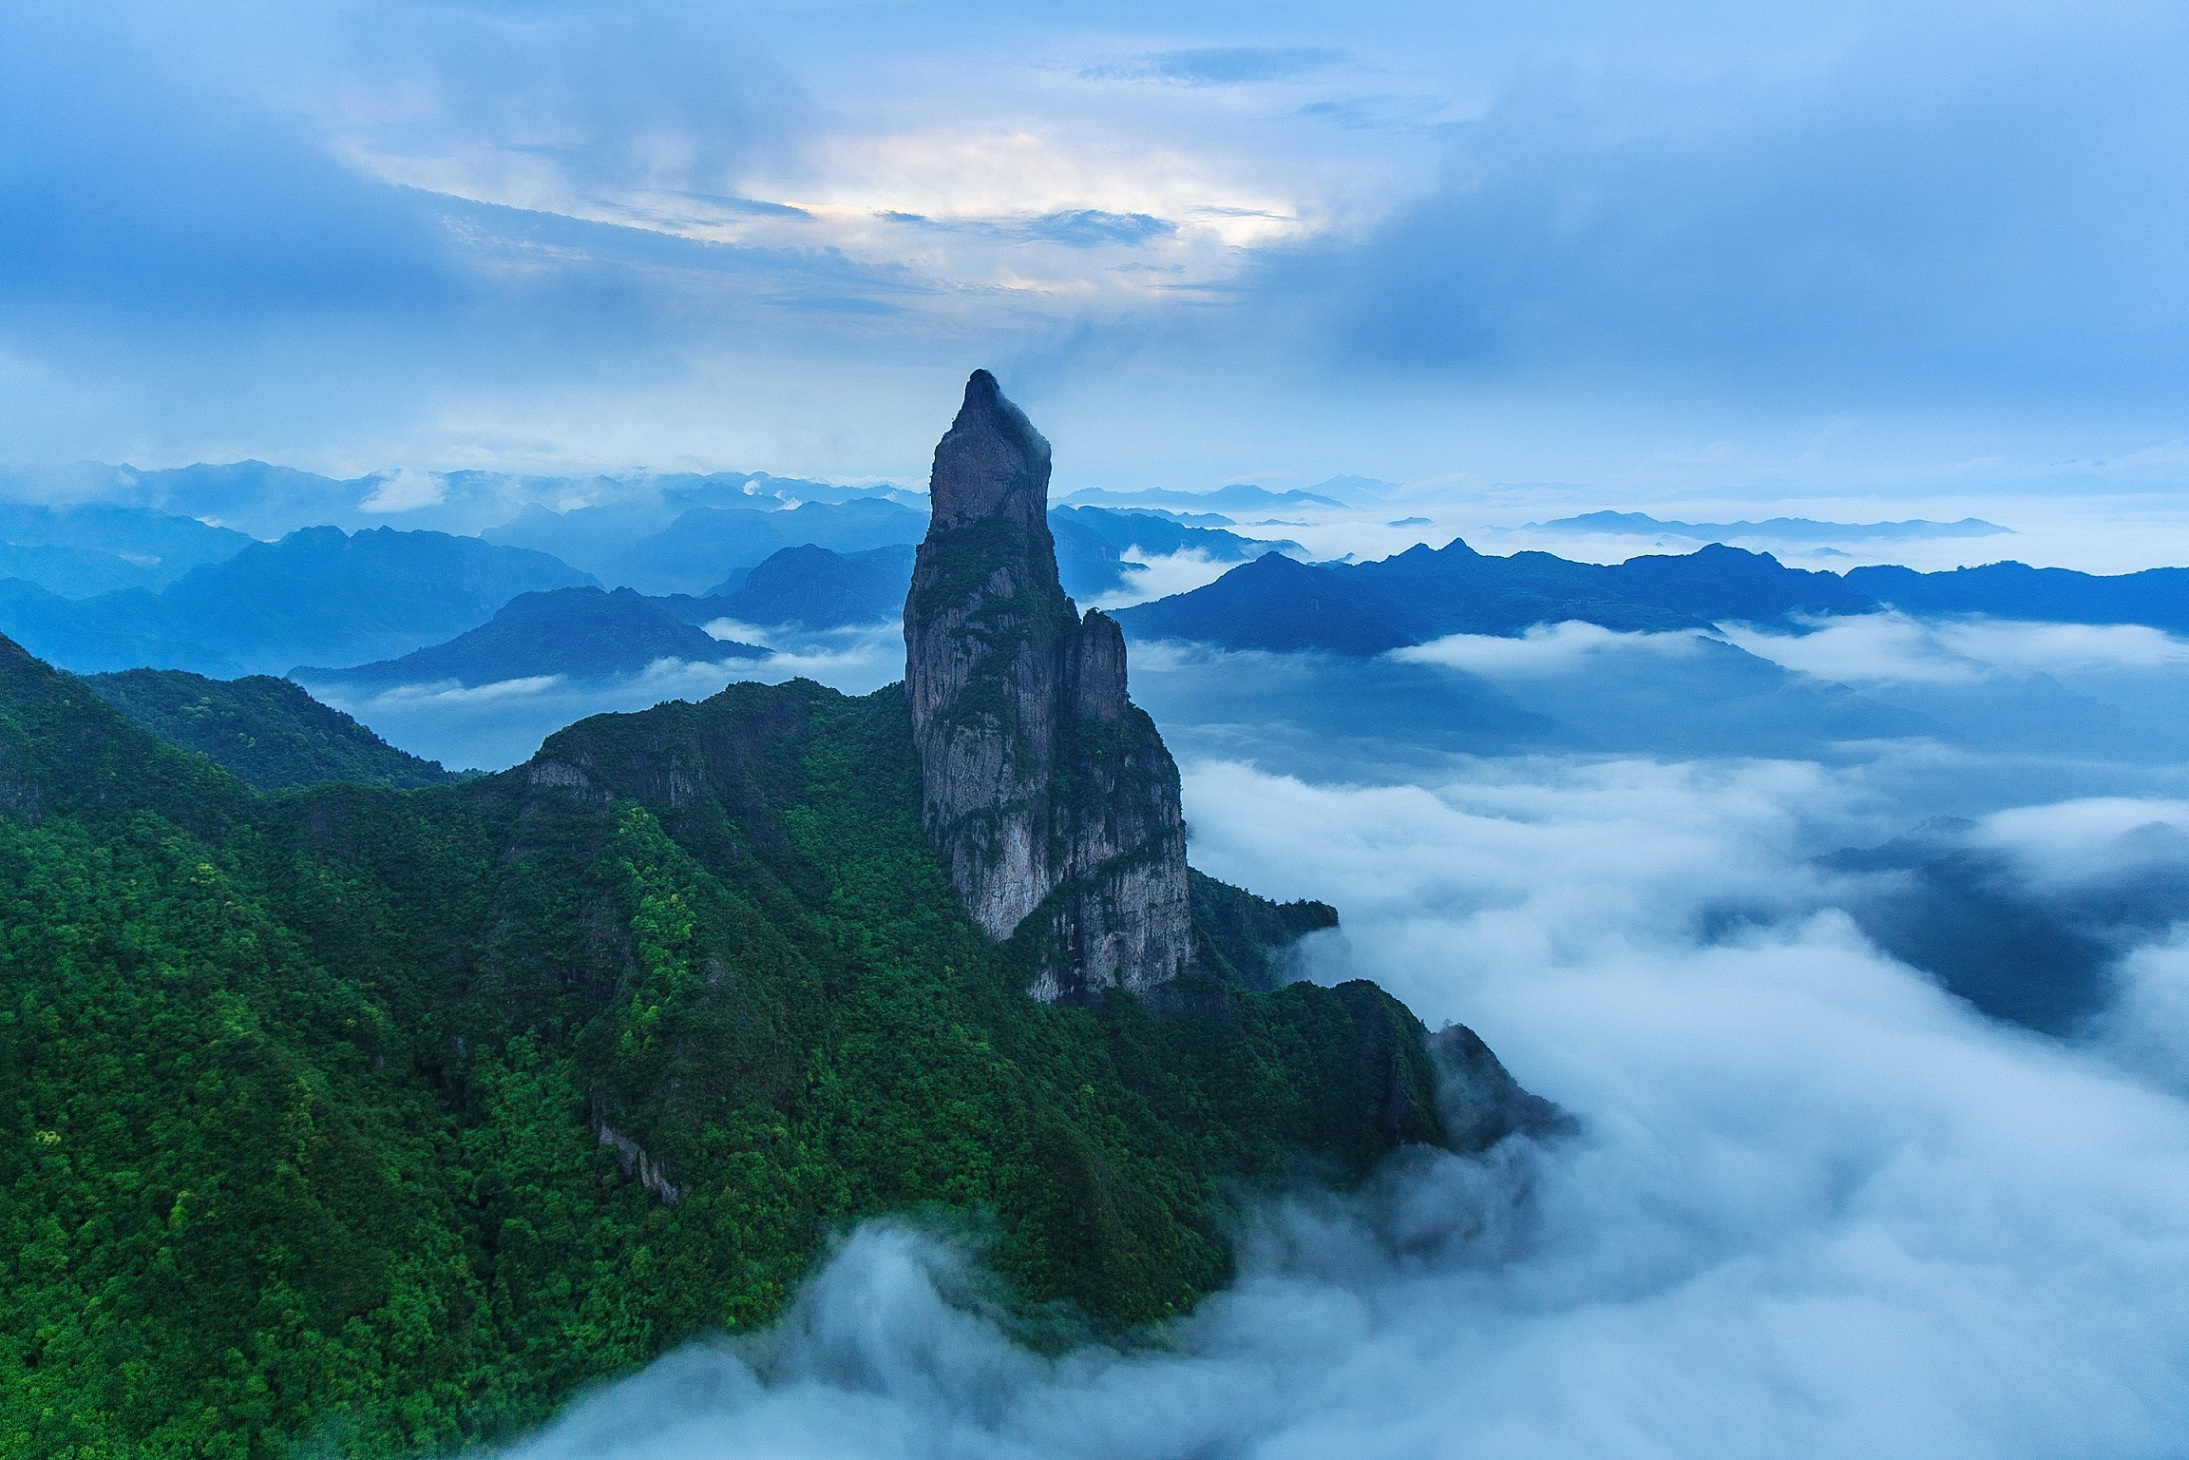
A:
[(1818, 1205)]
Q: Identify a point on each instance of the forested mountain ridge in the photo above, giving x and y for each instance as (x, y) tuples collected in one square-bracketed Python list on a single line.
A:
[(387, 1118), (268, 732)]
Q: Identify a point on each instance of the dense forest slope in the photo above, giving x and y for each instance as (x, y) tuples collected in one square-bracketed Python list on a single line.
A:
[(383, 1119), (266, 731)]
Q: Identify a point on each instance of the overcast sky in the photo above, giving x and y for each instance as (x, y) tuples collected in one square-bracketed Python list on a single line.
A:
[(1666, 252)]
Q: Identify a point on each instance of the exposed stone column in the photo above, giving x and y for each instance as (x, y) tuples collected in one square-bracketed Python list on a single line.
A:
[(1041, 784)]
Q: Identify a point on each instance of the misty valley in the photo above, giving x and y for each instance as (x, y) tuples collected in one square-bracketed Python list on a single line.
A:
[(738, 964)]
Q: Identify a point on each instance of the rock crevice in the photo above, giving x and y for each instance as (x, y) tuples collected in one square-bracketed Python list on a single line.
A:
[(1049, 794)]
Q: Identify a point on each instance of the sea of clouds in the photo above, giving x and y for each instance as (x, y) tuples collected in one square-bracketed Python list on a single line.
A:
[(1816, 1204)]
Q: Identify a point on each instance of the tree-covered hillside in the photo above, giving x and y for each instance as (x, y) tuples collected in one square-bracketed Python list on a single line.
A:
[(381, 1120), (266, 731)]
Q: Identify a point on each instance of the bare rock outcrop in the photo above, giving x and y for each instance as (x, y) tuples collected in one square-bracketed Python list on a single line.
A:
[(1049, 794)]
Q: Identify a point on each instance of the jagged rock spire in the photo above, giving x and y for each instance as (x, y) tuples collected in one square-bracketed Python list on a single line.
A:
[(991, 463), (1050, 796)]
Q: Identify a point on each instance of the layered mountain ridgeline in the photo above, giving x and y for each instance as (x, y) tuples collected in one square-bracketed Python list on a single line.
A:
[(2158, 597), (1098, 552), (318, 596), (1424, 594), (630, 511), (1779, 529), (709, 550), (819, 584), (1278, 604), (586, 633), (253, 497), (809, 587), (712, 548), (580, 633), (1092, 544), (323, 597), (267, 732), (268, 501), (98, 547)]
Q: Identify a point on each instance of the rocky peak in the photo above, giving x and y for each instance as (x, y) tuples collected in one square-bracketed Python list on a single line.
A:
[(1049, 794), (991, 463)]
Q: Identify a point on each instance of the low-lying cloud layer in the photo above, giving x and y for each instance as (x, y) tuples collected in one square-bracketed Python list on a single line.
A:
[(494, 726), (1725, 912), (1894, 648), (1817, 1207)]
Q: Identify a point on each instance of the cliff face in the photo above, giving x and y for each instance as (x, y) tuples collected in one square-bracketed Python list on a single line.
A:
[(1049, 794)]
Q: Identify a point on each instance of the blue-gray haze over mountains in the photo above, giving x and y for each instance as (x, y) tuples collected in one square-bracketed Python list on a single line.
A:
[(1717, 802), (1669, 517), (1336, 682)]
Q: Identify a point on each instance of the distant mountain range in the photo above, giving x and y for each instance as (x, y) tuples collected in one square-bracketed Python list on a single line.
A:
[(1091, 543), (2157, 597), (584, 633), (808, 587), (579, 633), (1275, 603), (709, 550), (97, 547), (268, 501), (1780, 529), (606, 540), (103, 586), (170, 592), (371, 600), (317, 596)]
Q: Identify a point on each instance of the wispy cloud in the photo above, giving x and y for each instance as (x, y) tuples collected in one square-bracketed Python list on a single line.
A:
[(1559, 648), (1892, 647), (1224, 65)]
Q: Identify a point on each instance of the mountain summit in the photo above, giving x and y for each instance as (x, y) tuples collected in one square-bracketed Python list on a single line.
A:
[(1048, 793)]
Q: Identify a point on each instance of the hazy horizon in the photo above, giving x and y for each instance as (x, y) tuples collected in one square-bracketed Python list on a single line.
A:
[(1898, 257), (1854, 943)]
